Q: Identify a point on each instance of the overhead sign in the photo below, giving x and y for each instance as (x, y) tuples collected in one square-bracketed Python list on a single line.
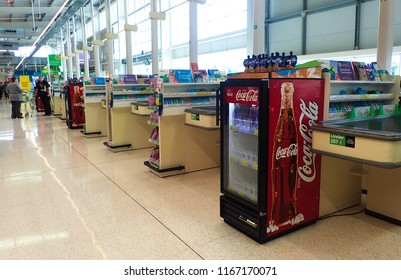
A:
[(55, 60)]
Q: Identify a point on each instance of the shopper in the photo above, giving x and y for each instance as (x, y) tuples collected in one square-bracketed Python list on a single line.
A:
[(42, 89), (5, 89), (15, 94), (1, 90)]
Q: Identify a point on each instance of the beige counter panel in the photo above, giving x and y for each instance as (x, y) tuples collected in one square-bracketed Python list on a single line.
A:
[(205, 121), (340, 185), (365, 148), (384, 192), (95, 118), (140, 110), (129, 129)]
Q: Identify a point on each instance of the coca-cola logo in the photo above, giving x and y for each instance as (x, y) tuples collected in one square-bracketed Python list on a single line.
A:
[(247, 95), (289, 151), (308, 117)]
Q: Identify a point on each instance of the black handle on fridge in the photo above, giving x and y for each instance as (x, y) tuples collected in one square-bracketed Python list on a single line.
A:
[(218, 107)]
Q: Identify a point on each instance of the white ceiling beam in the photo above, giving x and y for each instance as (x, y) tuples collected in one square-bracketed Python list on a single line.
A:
[(6, 10)]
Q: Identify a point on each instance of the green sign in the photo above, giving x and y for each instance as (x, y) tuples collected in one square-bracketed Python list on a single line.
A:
[(195, 117), (342, 140), (54, 59)]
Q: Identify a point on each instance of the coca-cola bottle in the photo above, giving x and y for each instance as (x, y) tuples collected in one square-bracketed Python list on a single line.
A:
[(284, 161)]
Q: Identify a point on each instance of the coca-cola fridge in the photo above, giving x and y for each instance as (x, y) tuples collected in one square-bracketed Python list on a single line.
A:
[(270, 179), (74, 105)]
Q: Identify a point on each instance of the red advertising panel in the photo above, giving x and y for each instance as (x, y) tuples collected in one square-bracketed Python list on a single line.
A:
[(293, 170), (242, 95), (76, 104)]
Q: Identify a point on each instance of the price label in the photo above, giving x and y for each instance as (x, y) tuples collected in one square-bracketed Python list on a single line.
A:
[(195, 117), (204, 93), (342, 140)]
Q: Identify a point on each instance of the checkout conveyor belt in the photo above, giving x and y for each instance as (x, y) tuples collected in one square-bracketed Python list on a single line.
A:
[(372, 140)]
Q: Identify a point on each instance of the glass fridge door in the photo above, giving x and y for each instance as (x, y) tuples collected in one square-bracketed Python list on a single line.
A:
[(241, 156)]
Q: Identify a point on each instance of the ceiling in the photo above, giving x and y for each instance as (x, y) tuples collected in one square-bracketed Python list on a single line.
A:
[(23, 21)]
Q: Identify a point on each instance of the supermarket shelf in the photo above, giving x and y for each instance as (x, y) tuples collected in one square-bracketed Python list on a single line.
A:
[(130, 85), (97, 99), (339, 115), (244, 162), (189, 94), (179, 109), (245, 130), (361, 97), (131, 92), (95, 91), (122, 103), (362, 82), (191, 84)]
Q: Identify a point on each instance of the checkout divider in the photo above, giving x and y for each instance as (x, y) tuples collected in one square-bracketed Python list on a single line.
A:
[(95, 115), (125, 131), (362, 153), (184, 138)]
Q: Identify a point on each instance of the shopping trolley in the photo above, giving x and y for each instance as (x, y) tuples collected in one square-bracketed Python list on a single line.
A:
[(28, 104)]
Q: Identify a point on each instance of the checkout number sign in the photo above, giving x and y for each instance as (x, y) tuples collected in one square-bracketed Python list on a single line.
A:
[(342, 140)]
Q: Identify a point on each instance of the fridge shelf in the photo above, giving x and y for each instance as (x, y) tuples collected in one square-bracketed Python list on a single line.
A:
[(189, 94), (244, 162), (244, 129), (237, 190)]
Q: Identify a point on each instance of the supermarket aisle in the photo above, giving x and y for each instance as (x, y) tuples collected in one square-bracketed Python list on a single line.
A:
[(63, 196)]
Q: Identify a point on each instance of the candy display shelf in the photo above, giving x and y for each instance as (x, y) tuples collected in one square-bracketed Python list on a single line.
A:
[(127, 130), (95, 116), (183, 148)]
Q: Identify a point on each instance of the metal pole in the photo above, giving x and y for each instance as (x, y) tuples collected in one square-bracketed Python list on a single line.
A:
[(70, 70), (128, 41), (95, 47), (385, 34), (74, 42), (193, 32), (109, 41), (155, 36), (249, 27), (84, 44), (259, 27), (63, 55)]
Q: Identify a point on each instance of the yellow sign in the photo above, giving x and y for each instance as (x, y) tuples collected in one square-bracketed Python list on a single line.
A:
[(25, 83)]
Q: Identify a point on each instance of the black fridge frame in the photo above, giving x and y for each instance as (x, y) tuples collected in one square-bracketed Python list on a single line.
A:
[(263, 85)]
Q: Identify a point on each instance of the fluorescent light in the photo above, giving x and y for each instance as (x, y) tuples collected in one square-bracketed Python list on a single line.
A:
[(44, 30), (53, 19)]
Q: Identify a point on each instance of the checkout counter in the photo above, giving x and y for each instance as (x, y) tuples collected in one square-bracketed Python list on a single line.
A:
[(375, 144)]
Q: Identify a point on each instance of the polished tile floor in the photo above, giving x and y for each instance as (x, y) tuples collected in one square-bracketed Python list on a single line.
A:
[(63, 196)]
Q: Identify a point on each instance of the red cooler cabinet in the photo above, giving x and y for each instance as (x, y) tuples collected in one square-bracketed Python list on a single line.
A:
[(270, 179), (75, 106)]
